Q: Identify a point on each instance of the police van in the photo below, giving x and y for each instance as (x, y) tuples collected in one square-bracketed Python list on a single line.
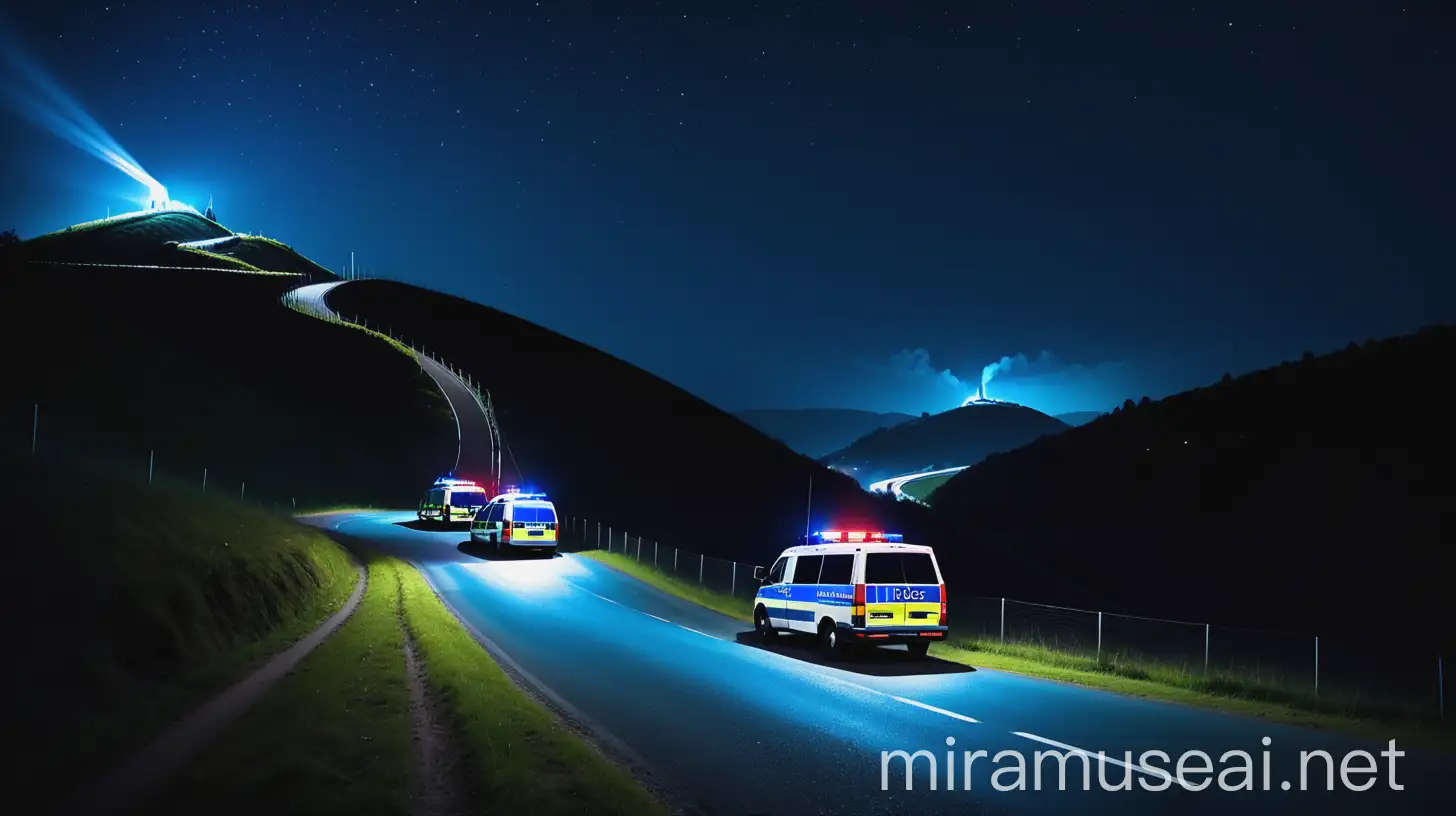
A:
[(520, 520), (854, 589), (451, 500)]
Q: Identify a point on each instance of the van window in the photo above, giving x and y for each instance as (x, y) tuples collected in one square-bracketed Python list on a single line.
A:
[(496, 512), (777, 573), (838, 569), (533, 513), (806, 571), (900, 568), (919, 568), (467, 498)]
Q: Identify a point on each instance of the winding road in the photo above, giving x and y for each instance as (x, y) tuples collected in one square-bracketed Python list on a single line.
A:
[(729, 725), (723, 723)]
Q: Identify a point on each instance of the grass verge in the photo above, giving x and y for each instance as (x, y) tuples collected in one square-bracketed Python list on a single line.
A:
[(1223, 693), (521, 760), (152, 598), (332, 737), (1151, 681), (738, 608)]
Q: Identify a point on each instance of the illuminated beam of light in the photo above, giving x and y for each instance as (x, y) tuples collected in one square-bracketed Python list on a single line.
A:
[(38, 98)]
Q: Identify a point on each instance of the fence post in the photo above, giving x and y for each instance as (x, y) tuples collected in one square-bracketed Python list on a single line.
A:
[(675, 551), (599, 535), (151, 464), (1441, 687), (34, 428), (654, 552), (609, 541), (204, 480), (1316, 665), (1099, 637), (700, 568), (1003, 620), (243, 491), (733, 582), (1206, 628), (639, 548)]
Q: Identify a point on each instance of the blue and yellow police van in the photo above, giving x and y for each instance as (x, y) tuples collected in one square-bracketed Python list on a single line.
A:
[(854, 589)]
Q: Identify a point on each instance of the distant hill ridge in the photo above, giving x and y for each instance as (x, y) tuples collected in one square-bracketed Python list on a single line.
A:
[(818, 431), (962, 436)]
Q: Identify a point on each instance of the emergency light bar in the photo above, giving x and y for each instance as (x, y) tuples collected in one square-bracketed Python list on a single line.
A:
[(446, 481), (857, 536)]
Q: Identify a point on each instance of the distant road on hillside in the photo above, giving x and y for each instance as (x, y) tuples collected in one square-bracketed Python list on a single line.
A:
[(476, 453)]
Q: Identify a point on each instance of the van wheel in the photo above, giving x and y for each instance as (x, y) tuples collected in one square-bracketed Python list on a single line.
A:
[(919, 648), (761, 623), (832, 641)]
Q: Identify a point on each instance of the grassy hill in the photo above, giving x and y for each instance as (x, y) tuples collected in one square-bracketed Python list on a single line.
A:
[(267, 253), (817, 431), (209, 370), (962, 436), (614, 443), (1316, 496), (161, 596), (134, 238)]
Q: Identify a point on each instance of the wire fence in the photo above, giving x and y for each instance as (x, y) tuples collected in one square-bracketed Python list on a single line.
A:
[(1365, 673), (733, 578), (164, 466), (317, 309)]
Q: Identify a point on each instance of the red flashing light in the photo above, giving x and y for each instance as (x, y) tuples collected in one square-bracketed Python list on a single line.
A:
[(943, 618)]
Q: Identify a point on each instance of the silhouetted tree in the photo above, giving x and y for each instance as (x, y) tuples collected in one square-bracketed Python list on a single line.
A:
[(9, 238), (1225, 379), (924, 414), (1144, 401), (1128, 404), (1307, 357)]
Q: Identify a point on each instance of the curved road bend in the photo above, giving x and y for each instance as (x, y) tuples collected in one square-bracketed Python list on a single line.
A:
[(737, 728), (475, 455)]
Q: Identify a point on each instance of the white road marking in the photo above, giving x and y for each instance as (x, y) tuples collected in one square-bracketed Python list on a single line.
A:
[(918, 704), (654, 617), (704, 634), (608, 600), (1136, 766)]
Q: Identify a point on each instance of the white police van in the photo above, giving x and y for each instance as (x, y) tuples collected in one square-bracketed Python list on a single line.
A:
[(854, 589)]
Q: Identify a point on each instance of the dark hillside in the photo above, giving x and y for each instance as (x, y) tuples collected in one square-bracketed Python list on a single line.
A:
[(612, 442), (963, 436), (1312, 496), (817, 431), (211, 371)]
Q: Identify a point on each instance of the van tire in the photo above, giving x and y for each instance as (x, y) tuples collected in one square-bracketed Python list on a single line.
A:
[(761, 624), (832, 641), (918, 648)]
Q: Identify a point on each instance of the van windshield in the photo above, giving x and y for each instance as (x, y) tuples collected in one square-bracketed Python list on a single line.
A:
[(900, 568)]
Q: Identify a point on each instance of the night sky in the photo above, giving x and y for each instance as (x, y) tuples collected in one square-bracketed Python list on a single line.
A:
[(791, 205)]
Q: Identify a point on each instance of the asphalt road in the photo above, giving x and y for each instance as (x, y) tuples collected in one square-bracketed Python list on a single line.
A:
[(732, 727), (475, 455), (896, 485)]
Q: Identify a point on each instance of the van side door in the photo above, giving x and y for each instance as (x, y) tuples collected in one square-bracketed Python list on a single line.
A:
[(802, 608)]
